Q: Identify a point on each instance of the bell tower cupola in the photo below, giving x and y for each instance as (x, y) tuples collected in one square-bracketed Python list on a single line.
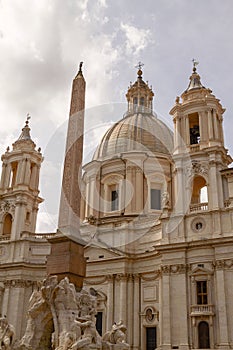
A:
[(140, 95), (197, 117), (19, 193)]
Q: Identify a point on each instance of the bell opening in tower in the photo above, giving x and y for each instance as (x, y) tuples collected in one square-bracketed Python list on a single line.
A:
[(194, 129)]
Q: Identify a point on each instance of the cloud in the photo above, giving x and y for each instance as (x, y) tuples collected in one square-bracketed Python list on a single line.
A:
[(136, 39), (42, 43)]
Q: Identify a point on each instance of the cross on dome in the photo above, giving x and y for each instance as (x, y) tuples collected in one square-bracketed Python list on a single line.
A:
[(139, 67), (195, 63)]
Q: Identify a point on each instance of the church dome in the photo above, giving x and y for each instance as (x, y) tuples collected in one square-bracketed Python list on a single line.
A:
[(142, 132), (139, 130)]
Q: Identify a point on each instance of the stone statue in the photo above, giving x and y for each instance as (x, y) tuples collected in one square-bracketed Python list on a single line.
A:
[(60, 318), (165, 200), (7, 334), (90, 336), (117, 335)]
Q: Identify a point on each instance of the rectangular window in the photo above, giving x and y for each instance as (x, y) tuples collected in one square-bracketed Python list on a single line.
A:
[(155, 199), (114, 200), (202, 293)]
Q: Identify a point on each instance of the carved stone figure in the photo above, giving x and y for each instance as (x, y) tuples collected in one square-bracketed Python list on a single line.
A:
[(89, 335), (165, 200), (117, 335), (60, 318), (7, 334)]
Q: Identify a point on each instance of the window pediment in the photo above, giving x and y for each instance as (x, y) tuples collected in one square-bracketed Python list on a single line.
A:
[(200, 271)]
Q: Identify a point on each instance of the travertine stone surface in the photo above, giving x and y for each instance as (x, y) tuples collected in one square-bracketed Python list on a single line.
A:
[(60, 318)]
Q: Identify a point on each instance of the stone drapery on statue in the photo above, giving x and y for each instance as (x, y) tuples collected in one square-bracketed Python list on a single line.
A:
[(7, 334), (116, 337), (60, 318)]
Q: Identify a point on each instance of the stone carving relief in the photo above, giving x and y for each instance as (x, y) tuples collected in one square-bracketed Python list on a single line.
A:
[(7, 334), (223, 264), (116, 336), (177, 268), (197, 168), (7, 207), (60, 318)]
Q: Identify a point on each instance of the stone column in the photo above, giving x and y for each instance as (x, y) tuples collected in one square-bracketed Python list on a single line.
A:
[(110, 302), (179, 136), (19, 171), (117, 302), (1, 296), (216, 133), (22, 171), (123, 298), (187, 131), (7, 176), (5, 300), (128, 190), (136, 306), (33, 177), (92, 198), (19, 218), (200, 117), (220, 187), (210, 126), (130, 310), (213, 184), (222, 308), (27, 172), (139, 190), (165, 312), (183, 309), (3, 175), (179, 190)]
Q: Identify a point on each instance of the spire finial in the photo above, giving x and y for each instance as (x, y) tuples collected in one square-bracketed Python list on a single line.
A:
[(80, 73), (27, 120), (195, 63), (80, 67), (139, 67)]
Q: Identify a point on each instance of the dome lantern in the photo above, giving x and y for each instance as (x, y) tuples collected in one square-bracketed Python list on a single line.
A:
[(140, 95)]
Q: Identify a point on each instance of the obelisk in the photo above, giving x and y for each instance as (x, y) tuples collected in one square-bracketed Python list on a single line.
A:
[(67, 248)]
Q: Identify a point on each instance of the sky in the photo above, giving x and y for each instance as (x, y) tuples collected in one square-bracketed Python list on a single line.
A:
[(42, 43)]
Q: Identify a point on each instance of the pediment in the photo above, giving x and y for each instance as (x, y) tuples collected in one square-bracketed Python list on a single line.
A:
[(198, 271)]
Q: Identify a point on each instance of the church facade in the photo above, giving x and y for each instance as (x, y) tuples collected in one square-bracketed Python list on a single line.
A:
[(156, 217)]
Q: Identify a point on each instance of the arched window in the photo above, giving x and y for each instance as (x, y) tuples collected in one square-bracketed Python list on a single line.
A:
[(203, 335), (7, 224), (199, 194)]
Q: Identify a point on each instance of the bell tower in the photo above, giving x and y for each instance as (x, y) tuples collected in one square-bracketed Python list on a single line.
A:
[(19, 193), (199, 149)]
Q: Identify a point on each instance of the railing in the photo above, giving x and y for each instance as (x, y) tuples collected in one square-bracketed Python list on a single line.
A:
[(195, 148), (38, 236), (199, 207), (197, 310), (5, 237)]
